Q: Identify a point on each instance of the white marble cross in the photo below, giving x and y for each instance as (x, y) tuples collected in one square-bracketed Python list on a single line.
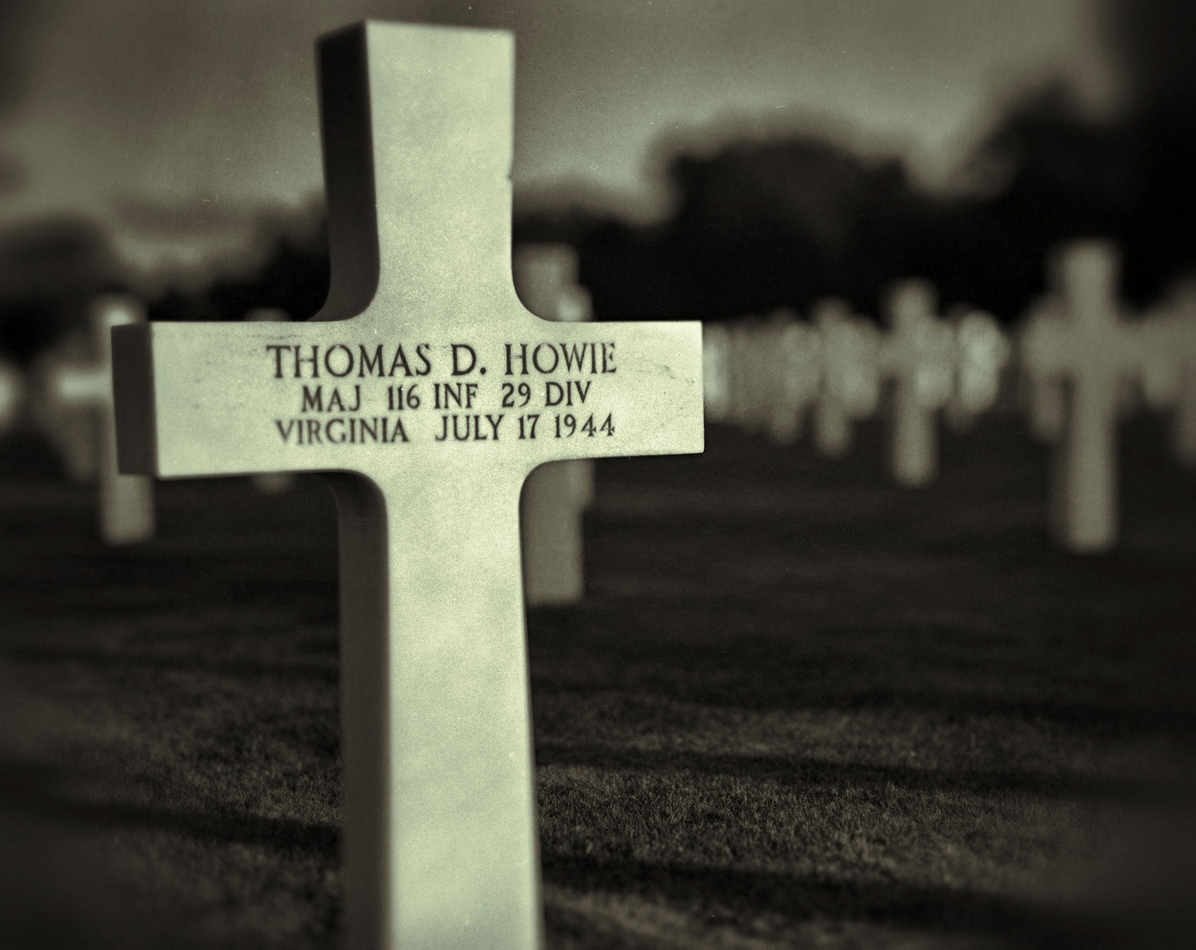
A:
[(1077, 345), (71, 432), (1042, 394), (427, 391), (795, 356), (81, 390), (716, 370), (747, 389), (850, 353), (982, 351), (555, 495), (918, 355)]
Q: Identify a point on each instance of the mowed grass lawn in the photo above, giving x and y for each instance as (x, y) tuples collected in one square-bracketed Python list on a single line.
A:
[(800, 708)]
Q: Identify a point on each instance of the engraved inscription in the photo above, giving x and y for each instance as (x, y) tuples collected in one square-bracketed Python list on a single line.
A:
[(394, 394)]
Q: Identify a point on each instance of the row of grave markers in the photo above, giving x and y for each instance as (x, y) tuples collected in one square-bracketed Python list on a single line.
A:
[(1076, 361), (1076, 364)]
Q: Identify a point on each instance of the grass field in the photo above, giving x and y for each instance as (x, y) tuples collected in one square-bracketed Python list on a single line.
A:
[(800, 708)]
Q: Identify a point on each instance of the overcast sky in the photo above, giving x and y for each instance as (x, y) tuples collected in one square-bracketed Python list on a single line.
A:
[(174, 122)]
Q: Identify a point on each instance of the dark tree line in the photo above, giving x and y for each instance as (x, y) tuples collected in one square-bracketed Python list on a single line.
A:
[(780, 224), (759, 226)]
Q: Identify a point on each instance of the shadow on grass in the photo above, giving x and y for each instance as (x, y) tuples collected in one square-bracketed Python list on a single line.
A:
[(739, 897), (1109, 718), (33, 790), (321, 671), (809, 772), (718, 656)]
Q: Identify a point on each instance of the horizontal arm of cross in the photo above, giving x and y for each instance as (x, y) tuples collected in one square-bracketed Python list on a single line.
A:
[(81, 385), (223, 399)]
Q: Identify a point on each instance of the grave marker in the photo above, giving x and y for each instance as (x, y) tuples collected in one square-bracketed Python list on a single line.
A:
[(81, 390), (795, 356), (982, 351), (1078, 345), (1042, 394), (918, 356), (850, 350), (556, 494), (736, 378), (72, 433), (716, 345), (747, 386), (408, 388)]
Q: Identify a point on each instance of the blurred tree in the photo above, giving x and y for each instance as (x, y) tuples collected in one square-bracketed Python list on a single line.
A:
[(1154, 42), (49, 270), (293, 275)]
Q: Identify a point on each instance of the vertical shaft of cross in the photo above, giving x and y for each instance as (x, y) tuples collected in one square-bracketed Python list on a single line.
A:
[(126, 501), (848, 352), (438, 773), (913, 435), (126, 509), (1084, 469), (1046, 408), (919, 361), (364, 653)]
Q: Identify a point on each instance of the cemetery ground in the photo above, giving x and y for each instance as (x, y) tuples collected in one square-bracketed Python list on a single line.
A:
[(800, 707)]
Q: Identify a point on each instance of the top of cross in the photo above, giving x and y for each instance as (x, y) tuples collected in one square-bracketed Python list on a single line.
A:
[(910, 306), (1078, 329), (920, 348), (1085, 276), (419, 196)]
